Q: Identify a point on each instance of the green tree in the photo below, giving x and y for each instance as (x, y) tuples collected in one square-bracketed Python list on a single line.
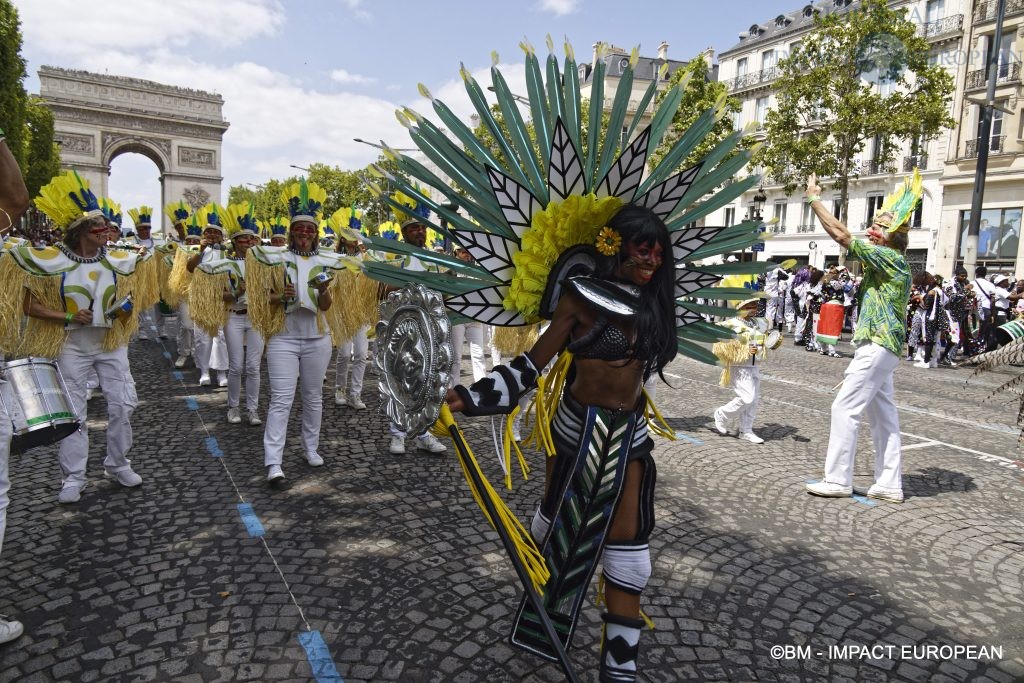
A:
[(856, 77), (701, 94), (42, 155), (13, 98)]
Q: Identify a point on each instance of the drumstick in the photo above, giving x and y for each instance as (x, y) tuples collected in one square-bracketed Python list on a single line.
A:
[(832, 390)]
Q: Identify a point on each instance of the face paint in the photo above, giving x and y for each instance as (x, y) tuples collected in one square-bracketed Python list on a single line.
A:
[(642, 260)]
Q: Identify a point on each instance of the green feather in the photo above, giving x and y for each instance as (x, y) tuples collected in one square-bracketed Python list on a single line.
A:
[(519, 135), (571, 107), (693, 136), (476, 96), (641, 108), (720, 199), (691, 350), (615, 121), (663, 117), (554, 84), (538, 104), (594, 130)]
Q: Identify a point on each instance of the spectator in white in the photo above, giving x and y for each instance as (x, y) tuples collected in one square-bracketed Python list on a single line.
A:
[(984, 291), (1000, 301), (775, 287)]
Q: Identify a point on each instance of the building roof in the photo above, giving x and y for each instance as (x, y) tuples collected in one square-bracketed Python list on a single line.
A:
[(645, 69), (794, 22)]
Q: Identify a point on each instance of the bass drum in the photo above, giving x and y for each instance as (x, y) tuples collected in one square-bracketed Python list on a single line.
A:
[(37, 403), (830, 323)]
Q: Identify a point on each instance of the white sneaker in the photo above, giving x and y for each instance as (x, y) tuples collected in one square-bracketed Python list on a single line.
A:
[(721, 426), (89, 394), (430, 444), (275, 474), (180, 362), (516, 434), (882, 493), (204, 380), (922, 364), (397, 445), (234, 416), (143, 336), (339, 397), (314, 459), (827, 489), (356, 403), (127, 478), (254, 419), (69, 494), (751, 437), (223, 381), (10, 629)]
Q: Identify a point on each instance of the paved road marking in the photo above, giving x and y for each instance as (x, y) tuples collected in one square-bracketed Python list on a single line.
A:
[(191, 403), (319, 658), (178, 375), (252, 523), (923, 444), (863, 500), (213, 447), (687, 437)]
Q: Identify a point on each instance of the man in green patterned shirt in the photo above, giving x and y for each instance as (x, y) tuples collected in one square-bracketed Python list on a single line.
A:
[(867, 388)]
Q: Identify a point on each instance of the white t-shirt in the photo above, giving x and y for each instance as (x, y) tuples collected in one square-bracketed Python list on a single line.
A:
[(985, 292)]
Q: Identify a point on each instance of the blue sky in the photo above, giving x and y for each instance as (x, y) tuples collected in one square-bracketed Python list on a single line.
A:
[(301, 78)]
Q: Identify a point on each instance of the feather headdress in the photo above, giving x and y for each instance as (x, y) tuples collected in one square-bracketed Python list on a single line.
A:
[(239, 219), (67, 200), (142, 215), (178, 212), (900, 205), (111, 210), (305, 201)]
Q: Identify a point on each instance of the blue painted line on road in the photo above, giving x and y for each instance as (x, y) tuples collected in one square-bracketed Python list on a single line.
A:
[(178, 375), (213, 447), (319, 658), (191, 403), (167, 355), (250, 520), (687, 437)]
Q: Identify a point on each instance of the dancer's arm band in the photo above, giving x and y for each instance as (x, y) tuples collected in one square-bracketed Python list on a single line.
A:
[(498, 393)]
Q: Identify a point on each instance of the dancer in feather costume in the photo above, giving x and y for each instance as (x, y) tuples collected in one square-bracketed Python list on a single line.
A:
[(581, 237)]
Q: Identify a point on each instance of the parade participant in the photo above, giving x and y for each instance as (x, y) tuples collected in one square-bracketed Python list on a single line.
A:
[(211, 351), (936, 323), (742, 372), (414, 232), (776, 281), (217, 301), (959, 309), (143, 217), (916, 316), (14, 200), (798, 296), (580, 238), (358, 313), (867, 388), (985, 292), (473, 332), (78, 313), (275, 231), (178, 280), (289, 301)]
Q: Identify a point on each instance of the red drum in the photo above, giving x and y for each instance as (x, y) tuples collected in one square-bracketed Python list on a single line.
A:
[(830, 323)]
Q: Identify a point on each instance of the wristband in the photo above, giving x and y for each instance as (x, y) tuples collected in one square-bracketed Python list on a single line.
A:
[(68, 317), (813, 198)]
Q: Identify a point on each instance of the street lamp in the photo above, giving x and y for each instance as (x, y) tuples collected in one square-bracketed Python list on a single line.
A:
[(301, 168), (759, 201), (394, 149), (518, 98)]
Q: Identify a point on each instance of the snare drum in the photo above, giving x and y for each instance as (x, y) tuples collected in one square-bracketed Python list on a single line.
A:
[(773, 340), (120, 309), (40, 409)]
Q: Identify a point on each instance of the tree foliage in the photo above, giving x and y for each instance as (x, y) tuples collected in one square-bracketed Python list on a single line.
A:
[(701, 94), (42, 155), (13, 98), (831, 97)]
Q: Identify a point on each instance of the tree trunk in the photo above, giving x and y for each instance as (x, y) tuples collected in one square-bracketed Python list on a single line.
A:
[(844, 202)]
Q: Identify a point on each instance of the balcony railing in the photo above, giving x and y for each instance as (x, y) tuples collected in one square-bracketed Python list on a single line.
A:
[(1006, 72), (755, 78), (986, 11), (915, 161), (941, 27), (873, 167), (995, 144), (777, 228), (807, 227)]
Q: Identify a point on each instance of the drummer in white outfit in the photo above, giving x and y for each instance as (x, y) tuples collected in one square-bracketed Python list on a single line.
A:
[(87, 278), (289, 311), (350, 363), (143, 219), (244, 343), (211, 351)]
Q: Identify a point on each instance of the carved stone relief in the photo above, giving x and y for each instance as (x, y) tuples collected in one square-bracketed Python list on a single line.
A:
[(74, 143), (201, 158), (196, 196)]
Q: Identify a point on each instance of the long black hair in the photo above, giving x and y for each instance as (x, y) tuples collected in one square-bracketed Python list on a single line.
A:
[(655, 326)]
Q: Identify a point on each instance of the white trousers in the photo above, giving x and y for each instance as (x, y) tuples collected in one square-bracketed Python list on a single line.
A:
[(290, 360), (355, 349), (775, 309), (476, 334), (119, 390), (867, 391), (245, 350), (5, 451), (185, 338), (746, 382), (211, 352)]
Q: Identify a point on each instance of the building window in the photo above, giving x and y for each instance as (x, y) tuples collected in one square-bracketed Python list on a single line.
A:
[(935, 10), (998, 235), (767, 59), (874, 206), (915, 220), (624, 137), (741, 67), (761, 111), (837, 207), (780, 214), (808, 220), (730, 216)]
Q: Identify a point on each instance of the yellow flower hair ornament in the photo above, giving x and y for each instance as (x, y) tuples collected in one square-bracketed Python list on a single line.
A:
[(608, 241)]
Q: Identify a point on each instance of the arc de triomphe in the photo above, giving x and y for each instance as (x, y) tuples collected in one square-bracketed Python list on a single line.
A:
[(98, 117)]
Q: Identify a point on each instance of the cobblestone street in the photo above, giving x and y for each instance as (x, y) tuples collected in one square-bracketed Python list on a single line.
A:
[(388, 560)]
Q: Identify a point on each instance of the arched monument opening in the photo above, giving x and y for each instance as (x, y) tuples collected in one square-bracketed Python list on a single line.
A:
[(99, 117), (135, 181)]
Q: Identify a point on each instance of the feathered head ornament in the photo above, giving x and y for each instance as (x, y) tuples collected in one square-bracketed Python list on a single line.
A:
[(435, 240), (67, 200), (239, 219), (390, 230), (346, 222), (178, 212), (111, 210), (305, 201), (414, 212), (142, 215), (275, 227), (208, 216), (900, 205)]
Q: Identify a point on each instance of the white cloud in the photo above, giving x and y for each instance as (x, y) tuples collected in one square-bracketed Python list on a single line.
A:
[(559, 7), (357, 8), (78, 30), (343, 76)]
